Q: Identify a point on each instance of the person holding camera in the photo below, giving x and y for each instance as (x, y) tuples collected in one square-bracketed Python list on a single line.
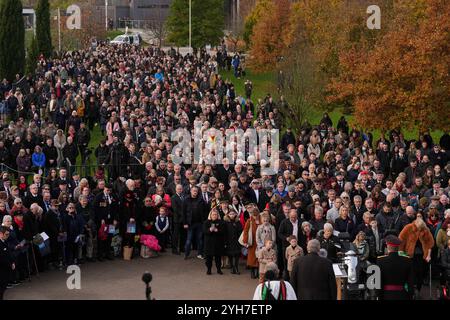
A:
[(214, 246)]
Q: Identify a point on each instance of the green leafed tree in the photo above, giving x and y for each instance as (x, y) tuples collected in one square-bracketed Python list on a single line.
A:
[(12, 39), (43, 35), (32, 56), (207, 22)]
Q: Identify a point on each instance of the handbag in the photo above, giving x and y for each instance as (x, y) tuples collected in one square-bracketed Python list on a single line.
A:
[(145, 252), (127, 253), (250, 240)]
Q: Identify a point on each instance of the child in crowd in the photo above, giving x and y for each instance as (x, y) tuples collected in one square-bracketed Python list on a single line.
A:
[(266, 254), (293, 251), (162, 227)]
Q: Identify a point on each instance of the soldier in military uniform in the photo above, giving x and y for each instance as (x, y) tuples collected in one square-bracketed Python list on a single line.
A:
[(397, 282), (6, 262), (106, 209)]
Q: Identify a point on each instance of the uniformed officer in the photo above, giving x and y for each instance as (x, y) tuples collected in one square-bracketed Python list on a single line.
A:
[(106, 209), (397, 282), (6, 262)]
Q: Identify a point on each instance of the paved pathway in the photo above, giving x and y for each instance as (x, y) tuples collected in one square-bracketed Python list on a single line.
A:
[(173, 278)]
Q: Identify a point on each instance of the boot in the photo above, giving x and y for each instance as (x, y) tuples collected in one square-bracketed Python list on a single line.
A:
[(208, 272), (233, 271)]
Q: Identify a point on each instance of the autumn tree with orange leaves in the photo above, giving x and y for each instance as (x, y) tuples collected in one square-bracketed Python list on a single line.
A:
[(403, 81), (269, 38)]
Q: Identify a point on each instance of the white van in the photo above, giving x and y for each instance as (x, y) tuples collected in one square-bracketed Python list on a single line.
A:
[(134, 39)]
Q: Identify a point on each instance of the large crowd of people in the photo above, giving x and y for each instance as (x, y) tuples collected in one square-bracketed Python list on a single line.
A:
[(334, 183)]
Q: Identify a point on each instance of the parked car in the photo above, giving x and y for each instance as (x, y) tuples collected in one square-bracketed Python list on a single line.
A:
[(134, 39)]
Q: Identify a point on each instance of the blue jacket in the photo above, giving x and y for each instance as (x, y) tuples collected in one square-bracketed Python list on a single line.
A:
[(38, 159), (159, 76)]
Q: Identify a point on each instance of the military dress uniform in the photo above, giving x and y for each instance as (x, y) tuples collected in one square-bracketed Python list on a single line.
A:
[(397, 282)]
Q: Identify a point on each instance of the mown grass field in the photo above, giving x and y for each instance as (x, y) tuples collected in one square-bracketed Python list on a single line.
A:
[(264, 83)]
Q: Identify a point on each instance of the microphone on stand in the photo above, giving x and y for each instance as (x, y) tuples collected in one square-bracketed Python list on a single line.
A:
[(147, 278)]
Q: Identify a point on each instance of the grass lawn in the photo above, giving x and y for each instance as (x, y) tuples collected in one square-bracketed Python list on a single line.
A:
[(264, 83)]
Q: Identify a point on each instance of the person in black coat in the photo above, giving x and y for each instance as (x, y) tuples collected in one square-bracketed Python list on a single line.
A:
[(329, 242), (33, 224), (255, 194), (344, 223), (194, 214), (33, 196), (74, 225), (214, 246), (102, 153), (106, 210), (178, 234), (148, 217), (54, 227), (233, 228), (7, 265), (285, 230), (51, 153), (312, 276), (84, 207), (129, 213), (70, 151)]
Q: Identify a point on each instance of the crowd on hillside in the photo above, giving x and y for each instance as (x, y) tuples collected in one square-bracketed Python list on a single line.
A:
[(335, 184)]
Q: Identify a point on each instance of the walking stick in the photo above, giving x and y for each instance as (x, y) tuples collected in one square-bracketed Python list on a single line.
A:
[(34, 259), (64, 252), (28, 265), (430, 280)]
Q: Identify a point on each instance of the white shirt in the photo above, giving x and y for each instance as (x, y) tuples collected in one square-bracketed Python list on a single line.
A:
[(257, 194), (295, 228), (275, 289)]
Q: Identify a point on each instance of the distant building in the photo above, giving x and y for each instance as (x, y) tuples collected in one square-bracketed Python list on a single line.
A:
[(148, 11), (144, 12), (140, 12)]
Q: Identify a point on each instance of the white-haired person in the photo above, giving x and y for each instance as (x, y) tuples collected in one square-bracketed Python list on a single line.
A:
[(33, 222), (417, 243), (15, 249), (312, 276), (273, 289), (329, 242)]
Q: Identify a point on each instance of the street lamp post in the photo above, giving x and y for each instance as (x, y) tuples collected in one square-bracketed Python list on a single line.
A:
[(59, 30), (190, 26), (106, 15)]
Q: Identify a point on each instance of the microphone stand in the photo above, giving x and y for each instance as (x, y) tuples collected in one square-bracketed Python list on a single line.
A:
[(148, 291)]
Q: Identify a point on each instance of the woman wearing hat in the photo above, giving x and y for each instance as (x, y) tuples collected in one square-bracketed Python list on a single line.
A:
[(249, 241)]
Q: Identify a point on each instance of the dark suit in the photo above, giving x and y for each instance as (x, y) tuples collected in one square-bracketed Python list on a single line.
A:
[(285, 230), (357, 215), (260, 202), (30, 199), (396, 271), (178, 232), (313, 278), (6, 262), (53, 225), (108, 212)]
